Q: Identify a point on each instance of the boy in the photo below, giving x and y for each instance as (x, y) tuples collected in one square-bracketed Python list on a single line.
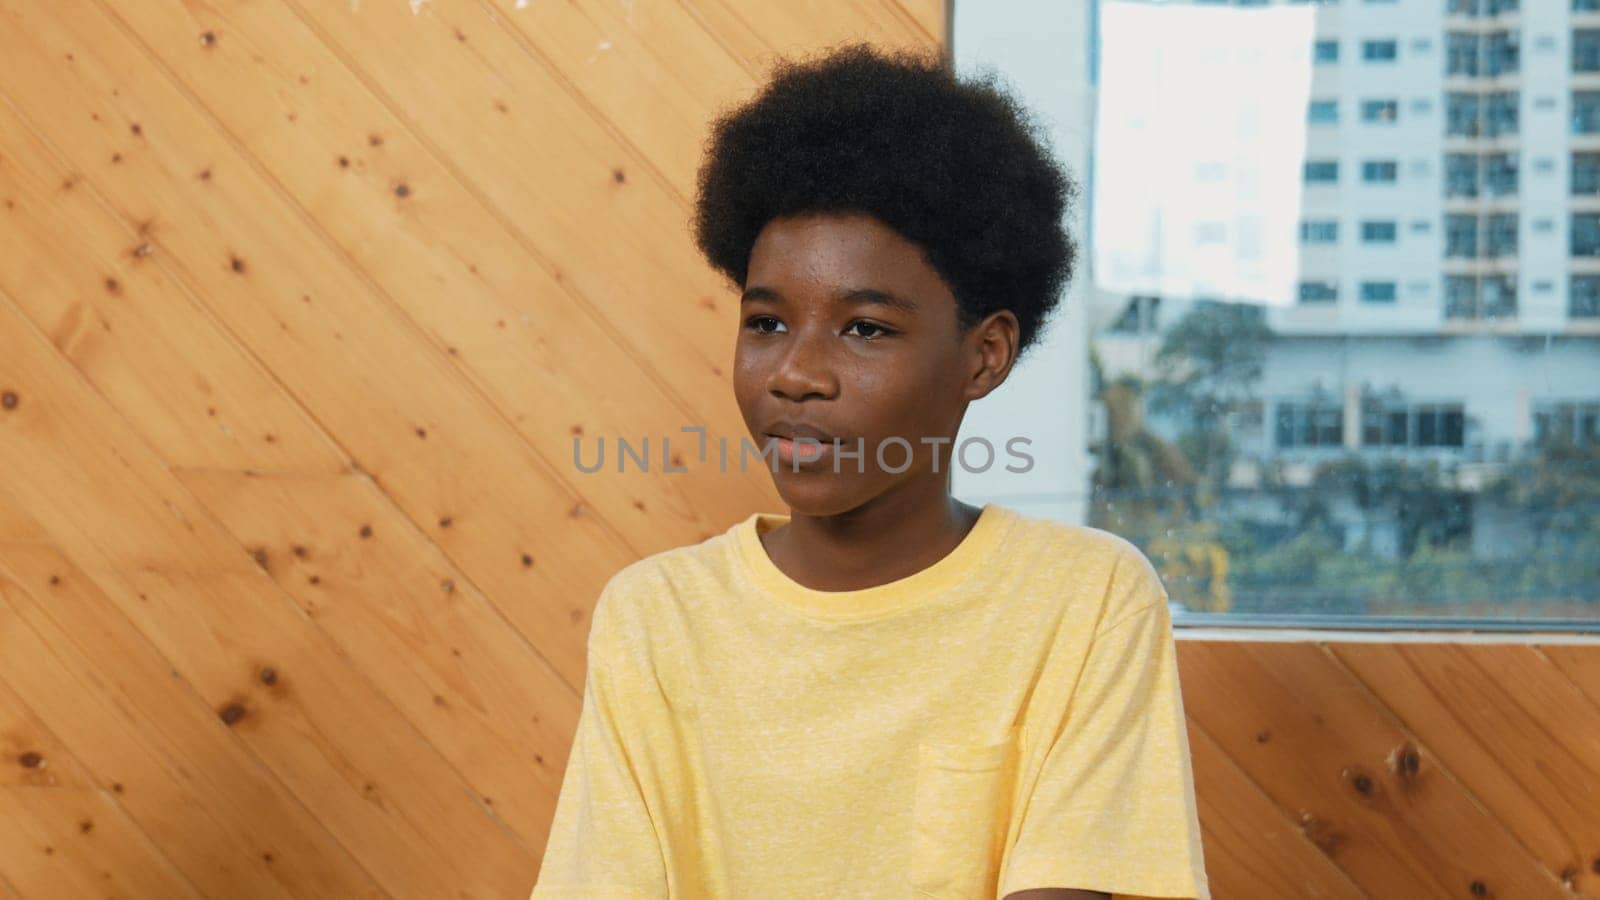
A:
[(887, 692)]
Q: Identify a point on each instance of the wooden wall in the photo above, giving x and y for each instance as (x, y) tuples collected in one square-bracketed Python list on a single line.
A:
[(301, 305)]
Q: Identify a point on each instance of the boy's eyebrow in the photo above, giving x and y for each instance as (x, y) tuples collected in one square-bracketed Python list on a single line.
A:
[(849, 295)]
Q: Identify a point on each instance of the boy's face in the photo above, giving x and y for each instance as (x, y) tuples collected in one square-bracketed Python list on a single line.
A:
[(861, 371)]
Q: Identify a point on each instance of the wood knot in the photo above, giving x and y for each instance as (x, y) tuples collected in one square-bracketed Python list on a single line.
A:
[(269, 675), (1479, 889), (31, 760), (1405, 762), (527, 560), (366, 531), (208, 38), (8, 399), (232, 713)]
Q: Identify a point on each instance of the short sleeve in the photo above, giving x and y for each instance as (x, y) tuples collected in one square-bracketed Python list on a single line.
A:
[(1113, 806), (603, 838)]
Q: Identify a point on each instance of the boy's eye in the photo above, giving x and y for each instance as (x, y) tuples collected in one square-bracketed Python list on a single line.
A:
[(755, 323), (878, 329)]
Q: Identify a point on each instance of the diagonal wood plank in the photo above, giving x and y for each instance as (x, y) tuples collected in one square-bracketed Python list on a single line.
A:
[(405, 616), (62, 835), (338, 744), (148, 739), (1509, 726), (1315, 741), (294, 312), (451, 238), (1251, 847)]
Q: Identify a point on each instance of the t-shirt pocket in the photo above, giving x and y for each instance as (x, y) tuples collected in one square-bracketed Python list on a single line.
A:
[(959, 815)]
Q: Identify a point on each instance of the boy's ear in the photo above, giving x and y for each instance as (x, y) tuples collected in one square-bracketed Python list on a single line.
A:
[(992, 347)]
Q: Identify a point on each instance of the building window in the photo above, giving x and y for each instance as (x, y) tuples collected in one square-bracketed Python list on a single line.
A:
[(1583, 300), (1380, 51), (1326, 51), (1323, 112), (1570, 422), (1300, 424), (1461, 7), (1586, 112), (1585, 235), (1319, 231), (1377, 291), (1322, 171), (1501, 53), (1498, 296), (1496, 7), (1460, 297), (1500, 235), (1586, 5), (1501, 113), (1379, 171), (1461, 53), (1439, 424), (1586, 50), (1460, 236), (1500, 174), (1318, 291), (1461, 115), (1380, 111), (1460, 175), (1377, 232), (1585, 173)]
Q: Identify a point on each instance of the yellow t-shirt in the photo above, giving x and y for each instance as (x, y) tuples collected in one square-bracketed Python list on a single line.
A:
[(1007, 718)]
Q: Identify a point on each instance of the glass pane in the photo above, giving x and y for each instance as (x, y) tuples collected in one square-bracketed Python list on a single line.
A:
[(1384, 405)]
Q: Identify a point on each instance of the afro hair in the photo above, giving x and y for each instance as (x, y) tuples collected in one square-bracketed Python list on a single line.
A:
[(956, 166)]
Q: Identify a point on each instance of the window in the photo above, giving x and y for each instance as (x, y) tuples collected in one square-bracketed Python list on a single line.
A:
[(1377, 232), (1387, 422), (1322, 171), (1583, 300), (1320, 231), (1460, 53), (1377, 291), (1501, 113), (1585, 234), (1381, 111), (1375, 171), (1500, 174), (1500, 235), (1585, 173), (1318, 291), (1575, 422), (1404, 344), (1498, 295), (1460, 236), (1460, 297), (1460, 175), (1586, 112), (1439, 424), (1461, 115), (1586, 50), (1309, 424), (1380, 51), (1500, 53)]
